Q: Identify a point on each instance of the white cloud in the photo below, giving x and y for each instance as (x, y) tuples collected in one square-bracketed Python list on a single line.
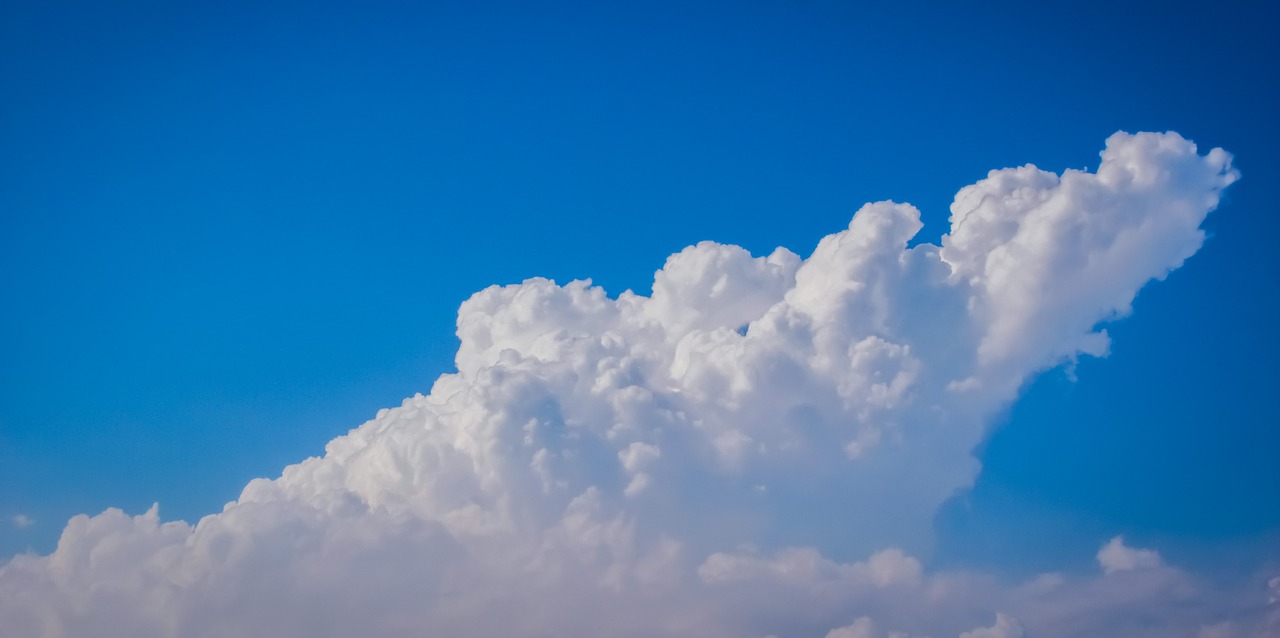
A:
[(807, 567), (1223, 629), (22, 521), (1005, 627), (1115, 556), (860, 628), (595, 465)]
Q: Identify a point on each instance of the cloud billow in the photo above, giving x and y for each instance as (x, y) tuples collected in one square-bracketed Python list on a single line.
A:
[(756, 448)]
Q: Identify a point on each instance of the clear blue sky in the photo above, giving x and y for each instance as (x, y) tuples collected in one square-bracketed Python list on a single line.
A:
[(232, 231)]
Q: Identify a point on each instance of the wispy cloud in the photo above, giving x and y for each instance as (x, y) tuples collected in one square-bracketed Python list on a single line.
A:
[(639, 466), (22, 521)]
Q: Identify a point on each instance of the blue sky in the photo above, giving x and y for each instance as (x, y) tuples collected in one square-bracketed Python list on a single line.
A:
[(231, 233)]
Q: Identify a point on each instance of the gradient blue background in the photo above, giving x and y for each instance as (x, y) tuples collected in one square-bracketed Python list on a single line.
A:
[(232, 231)]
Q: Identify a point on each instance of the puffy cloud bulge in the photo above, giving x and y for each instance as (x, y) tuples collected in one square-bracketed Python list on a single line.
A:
[(756, 448)]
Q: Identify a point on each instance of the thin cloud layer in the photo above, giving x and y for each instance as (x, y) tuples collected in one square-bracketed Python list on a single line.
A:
[(756, 448)]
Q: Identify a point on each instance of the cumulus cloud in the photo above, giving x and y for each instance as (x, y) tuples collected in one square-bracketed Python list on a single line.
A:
[(756, 448), (1115, 556), (1223, 629), (1005, 627), (860, 628)]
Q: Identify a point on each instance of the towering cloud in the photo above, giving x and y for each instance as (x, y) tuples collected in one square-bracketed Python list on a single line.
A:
[(757, 448)]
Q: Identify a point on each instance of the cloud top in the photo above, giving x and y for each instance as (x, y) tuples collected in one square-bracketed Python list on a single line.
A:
[(1115, 556), (639, 465)]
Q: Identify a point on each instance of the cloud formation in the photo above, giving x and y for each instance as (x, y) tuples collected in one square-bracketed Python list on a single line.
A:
[(1005, 627), (756, 448), (1115, 556)]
